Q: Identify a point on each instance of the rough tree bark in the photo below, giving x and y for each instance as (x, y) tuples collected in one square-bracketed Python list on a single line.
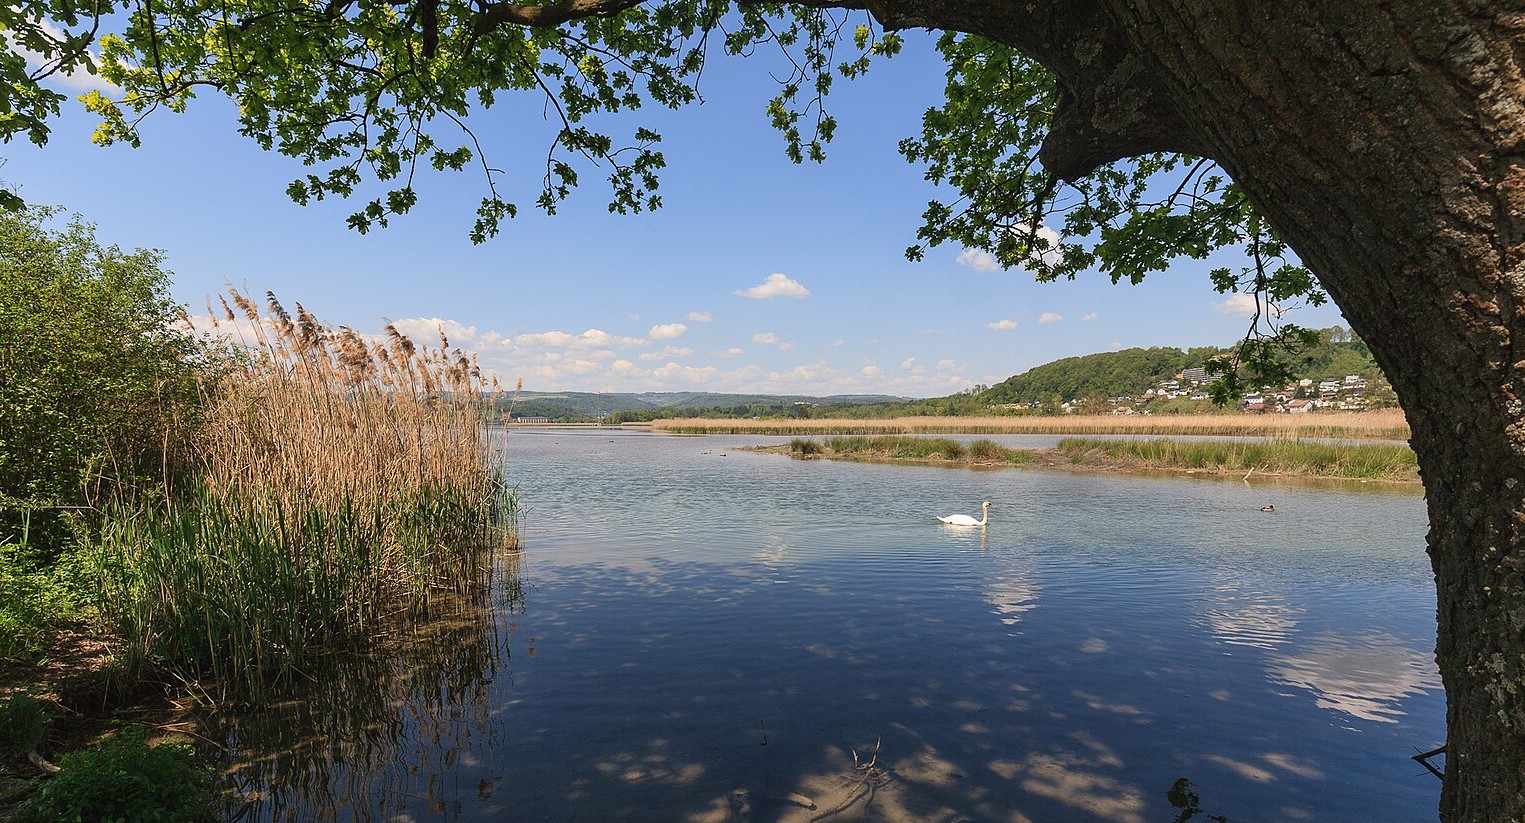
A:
[(1384, 141)]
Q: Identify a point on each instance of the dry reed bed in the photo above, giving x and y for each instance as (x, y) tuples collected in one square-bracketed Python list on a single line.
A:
[(319, 416), (341, 482), (1386, 424)]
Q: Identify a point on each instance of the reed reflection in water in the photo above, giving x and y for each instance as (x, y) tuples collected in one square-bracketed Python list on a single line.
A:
[(374, 733)]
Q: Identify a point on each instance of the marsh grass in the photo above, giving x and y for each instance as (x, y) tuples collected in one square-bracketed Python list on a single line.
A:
[(805, 447), (1367, 461), (1387, 424), (897, 447), (1364, 461), (341, 482), (900, 448)]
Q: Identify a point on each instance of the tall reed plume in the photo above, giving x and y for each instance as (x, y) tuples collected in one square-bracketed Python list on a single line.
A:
[(320, 415), (342, 483)]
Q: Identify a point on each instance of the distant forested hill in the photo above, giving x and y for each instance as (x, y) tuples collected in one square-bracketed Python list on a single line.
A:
[(1108, 374), (1131, 371), (626, 406)]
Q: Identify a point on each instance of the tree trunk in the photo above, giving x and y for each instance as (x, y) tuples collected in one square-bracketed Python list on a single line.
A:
[(1386, 142)]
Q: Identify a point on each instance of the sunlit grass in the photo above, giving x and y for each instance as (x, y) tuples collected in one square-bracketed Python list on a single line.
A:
[(894, 447), (1366, 461), (1373, 461), (902, 448)]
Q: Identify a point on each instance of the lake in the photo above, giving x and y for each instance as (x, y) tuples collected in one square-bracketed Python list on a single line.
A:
[(706, 634)]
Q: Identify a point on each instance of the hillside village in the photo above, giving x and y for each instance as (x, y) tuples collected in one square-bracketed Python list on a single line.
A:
[(1351, 392)]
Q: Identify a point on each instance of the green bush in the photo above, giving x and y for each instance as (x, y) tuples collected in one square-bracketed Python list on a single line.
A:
[(95, 369), (22, 723), (30, 600), (125, 780)]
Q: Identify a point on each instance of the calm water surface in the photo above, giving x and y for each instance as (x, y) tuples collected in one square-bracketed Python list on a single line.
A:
[(713, 635)]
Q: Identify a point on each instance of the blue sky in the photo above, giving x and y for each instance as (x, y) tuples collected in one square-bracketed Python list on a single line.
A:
[(757, 275)]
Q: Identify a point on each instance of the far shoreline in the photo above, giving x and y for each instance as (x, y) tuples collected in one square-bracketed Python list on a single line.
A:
[(1093, 461), (1385, 424)]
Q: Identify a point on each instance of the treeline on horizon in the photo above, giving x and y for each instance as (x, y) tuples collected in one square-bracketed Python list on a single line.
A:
[(1086, 379)]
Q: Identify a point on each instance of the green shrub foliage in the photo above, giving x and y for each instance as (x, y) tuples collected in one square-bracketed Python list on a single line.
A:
[(126, 779), (95, 367)]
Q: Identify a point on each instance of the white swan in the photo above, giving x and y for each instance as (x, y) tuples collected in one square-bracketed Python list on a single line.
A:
[(966, 520)]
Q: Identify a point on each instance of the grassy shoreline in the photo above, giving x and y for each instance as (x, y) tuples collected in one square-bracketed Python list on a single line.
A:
[(1363, 462), (1387, 424)]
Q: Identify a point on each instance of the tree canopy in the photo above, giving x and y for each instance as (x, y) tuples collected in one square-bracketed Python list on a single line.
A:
[(367, 96)]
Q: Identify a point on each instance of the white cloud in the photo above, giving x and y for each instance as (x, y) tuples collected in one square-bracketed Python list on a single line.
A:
[(78, 80), (1236, 305), (1049, 318), (686, 375), (634, 318), (776, 285), (595, 360), (239, 331), (700, 317), (977, 259), (837, 342), (667, 353), (803, 375), (1114, 345), (1243, 305), (1089, 316), (426, 331), (667, 331), (548, 339), (768, 338), (1002, 325), (581, 366), (590, 339), (1050, 255)]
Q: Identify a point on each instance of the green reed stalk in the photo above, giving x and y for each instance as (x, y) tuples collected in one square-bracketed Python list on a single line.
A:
[(247, 591)]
